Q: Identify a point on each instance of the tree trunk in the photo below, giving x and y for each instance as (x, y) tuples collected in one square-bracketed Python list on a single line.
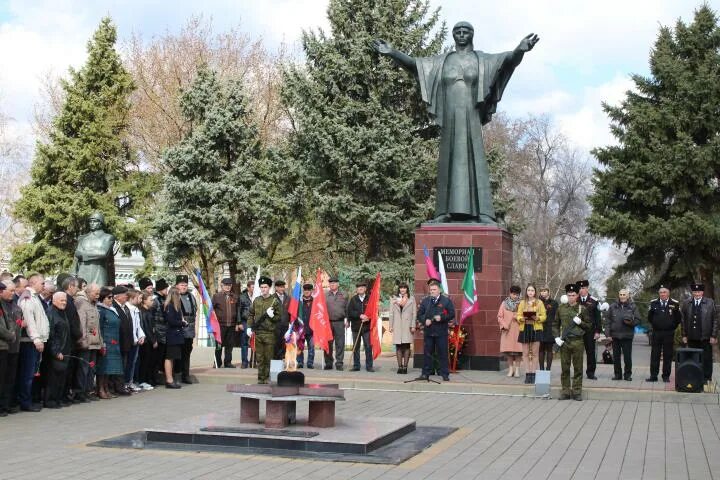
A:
[(232, 266), (706, 277)]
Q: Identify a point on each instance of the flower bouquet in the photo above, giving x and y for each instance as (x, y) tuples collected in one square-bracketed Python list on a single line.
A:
[(456, 341)]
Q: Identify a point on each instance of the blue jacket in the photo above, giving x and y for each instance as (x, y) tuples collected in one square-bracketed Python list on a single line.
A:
[(444, 307), (174, 334)]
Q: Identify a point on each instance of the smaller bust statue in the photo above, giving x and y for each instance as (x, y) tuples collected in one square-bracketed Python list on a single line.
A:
[(95, 255)]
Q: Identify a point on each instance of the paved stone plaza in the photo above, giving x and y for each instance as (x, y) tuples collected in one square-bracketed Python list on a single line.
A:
[(503, 436)]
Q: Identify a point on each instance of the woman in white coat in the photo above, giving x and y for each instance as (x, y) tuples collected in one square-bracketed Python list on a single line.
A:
[(402, 325)]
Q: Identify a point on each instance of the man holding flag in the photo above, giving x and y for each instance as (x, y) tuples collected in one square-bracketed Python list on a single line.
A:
[(306, 303), (435, 315), (360, 327)]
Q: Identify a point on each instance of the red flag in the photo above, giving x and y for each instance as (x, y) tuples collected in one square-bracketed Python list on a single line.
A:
[(372, 311), (319, 316)]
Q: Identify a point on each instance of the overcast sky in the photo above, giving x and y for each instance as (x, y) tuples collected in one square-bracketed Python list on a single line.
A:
[(586, 52)]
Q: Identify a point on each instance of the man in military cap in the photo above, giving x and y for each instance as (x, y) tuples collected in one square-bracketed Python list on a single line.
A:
[(435, 315), (244, 304), (360, 327), (664, 317), (146, 285), (572, 322), (188, 305), (700, 326), (337, 310), (262, 320), (283, 319), (225, 305), (591, 335), (306, 302)]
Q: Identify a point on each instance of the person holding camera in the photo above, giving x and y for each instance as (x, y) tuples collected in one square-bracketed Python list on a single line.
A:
[(620, 321), (435, 315)]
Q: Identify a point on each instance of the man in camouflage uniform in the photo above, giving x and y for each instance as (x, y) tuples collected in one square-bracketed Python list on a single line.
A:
[(262, 319), (571, 323)]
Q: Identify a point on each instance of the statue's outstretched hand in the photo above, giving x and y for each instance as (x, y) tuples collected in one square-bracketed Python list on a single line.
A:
[(527, 43), (381, 46)]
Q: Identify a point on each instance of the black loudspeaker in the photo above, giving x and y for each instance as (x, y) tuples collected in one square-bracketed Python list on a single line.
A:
[(689, 376)]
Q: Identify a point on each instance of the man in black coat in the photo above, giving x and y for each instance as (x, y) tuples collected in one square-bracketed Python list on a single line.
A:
[(700, 326), (120, 298), (59, 345), (244, 304), (360, 327), (591, 304), (436, 314), (69, 285), (664, 317)]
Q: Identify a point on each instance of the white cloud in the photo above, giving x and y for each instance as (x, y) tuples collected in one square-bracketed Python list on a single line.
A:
[(583, 44), (588, 126)]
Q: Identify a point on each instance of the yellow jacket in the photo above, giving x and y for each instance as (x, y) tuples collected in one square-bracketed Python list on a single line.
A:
[(540, 314)]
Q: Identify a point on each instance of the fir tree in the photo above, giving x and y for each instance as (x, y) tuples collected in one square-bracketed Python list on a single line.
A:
[(659, 191), (86, 165), (223, 194), (361, 131)]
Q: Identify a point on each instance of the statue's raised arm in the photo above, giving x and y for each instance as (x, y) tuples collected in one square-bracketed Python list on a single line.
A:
[(402, 59)]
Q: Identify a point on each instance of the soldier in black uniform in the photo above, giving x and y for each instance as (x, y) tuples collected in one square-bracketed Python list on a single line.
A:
[(700, 326), (591, 304), (664, 316)]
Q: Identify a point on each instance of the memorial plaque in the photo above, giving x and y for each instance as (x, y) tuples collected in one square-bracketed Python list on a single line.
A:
[(455, 258)]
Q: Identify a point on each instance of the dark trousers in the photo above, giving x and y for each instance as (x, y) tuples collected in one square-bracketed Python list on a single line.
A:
[(57, 374), (70, 377), (39, 382), (244, 342), (310, 350), (707, 360), (365, 339), (160, 359), (148, 362), (227, 336), (85, 373), (589, 341), (187, 349), (338, 342), (432, 344), (623, 346), (28, 364), (8, 372), (662, 342)]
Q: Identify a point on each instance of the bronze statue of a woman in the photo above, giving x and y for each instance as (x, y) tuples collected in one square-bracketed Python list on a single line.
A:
[(462, 89)]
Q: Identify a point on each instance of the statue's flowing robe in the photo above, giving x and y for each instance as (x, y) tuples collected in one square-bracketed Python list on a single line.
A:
[(462, 92), (98, 269)]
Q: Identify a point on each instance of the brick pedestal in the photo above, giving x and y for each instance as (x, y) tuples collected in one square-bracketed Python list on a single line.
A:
[(321, 414), (249, 410), (482, 349), (276, 413)]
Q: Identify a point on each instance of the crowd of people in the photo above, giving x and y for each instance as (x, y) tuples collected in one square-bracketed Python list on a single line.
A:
[(534, 326), (69, 342)]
